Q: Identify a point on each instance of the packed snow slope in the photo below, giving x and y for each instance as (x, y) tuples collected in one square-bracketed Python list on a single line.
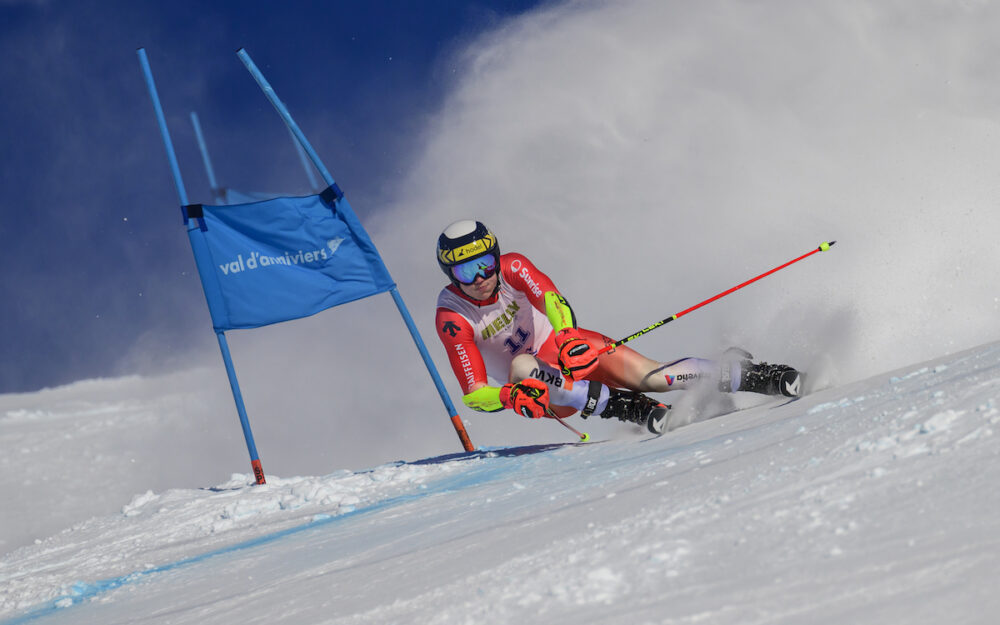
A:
[(873, 502)]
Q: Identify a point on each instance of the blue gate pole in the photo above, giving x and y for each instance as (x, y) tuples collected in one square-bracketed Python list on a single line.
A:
[(357, 229), (305, 162), (203, 147), (258, 471)]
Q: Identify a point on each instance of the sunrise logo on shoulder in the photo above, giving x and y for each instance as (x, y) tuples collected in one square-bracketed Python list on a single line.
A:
[(519, 270)]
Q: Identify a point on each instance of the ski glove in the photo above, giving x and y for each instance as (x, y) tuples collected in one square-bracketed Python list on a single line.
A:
[(577, 357), (529, 397)]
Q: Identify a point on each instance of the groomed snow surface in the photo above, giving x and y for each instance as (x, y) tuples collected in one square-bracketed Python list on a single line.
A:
[(875, 502)]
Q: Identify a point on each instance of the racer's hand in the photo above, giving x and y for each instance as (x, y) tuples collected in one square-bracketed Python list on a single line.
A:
[(529, 397), (577, 357)]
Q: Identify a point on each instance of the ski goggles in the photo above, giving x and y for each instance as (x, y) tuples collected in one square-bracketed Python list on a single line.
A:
[(484, 266)]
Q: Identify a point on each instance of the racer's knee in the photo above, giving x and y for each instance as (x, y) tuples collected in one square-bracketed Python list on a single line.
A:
[(522, 367)]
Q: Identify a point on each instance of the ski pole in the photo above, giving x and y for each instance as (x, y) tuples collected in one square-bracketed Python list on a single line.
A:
[(584, 437), (822, 248)]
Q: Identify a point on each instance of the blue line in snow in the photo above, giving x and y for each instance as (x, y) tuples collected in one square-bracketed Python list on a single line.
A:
[(83, 591)]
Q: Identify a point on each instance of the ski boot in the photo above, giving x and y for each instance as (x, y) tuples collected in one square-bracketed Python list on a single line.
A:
[(762, 377), (636, 408)]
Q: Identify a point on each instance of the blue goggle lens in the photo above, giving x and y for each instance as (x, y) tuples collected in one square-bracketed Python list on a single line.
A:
[(466, 272)]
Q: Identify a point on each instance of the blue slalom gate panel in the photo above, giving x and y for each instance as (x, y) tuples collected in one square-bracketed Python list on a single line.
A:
[(280, 259)]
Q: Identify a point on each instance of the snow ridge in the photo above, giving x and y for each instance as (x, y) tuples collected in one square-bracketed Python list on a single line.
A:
[(155, 531), (869, 503)]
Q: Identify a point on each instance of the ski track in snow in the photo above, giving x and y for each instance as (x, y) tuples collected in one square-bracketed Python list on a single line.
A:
[(874, 502)]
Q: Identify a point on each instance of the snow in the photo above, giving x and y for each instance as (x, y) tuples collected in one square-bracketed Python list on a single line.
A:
[(868, 503)]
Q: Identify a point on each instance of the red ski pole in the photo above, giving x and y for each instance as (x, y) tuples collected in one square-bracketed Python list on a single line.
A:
[(822, 248)]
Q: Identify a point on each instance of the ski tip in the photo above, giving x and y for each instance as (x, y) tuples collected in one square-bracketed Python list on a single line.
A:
[(826, 246)]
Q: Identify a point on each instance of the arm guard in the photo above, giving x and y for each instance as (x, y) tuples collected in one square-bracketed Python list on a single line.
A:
[(558, 311), (484, 399)]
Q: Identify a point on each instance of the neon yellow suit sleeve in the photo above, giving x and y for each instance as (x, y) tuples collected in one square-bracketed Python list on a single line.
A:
[(484, 399), (558, 311)]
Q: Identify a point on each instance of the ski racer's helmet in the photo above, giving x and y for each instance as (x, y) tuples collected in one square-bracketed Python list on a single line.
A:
[(466, 249)]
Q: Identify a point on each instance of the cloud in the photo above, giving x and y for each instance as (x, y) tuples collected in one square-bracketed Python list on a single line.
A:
[(648, 155)]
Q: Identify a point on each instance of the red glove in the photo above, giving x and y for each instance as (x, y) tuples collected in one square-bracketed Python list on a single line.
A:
[(529, 397), (577, 357)]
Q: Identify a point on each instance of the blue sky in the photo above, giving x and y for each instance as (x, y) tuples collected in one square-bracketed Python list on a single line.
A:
[(96, 262)]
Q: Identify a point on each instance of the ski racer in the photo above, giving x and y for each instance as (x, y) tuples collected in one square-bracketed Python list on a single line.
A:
[(502, 319)]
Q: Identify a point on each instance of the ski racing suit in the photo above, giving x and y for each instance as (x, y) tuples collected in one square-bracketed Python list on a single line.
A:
[(483, 337)]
